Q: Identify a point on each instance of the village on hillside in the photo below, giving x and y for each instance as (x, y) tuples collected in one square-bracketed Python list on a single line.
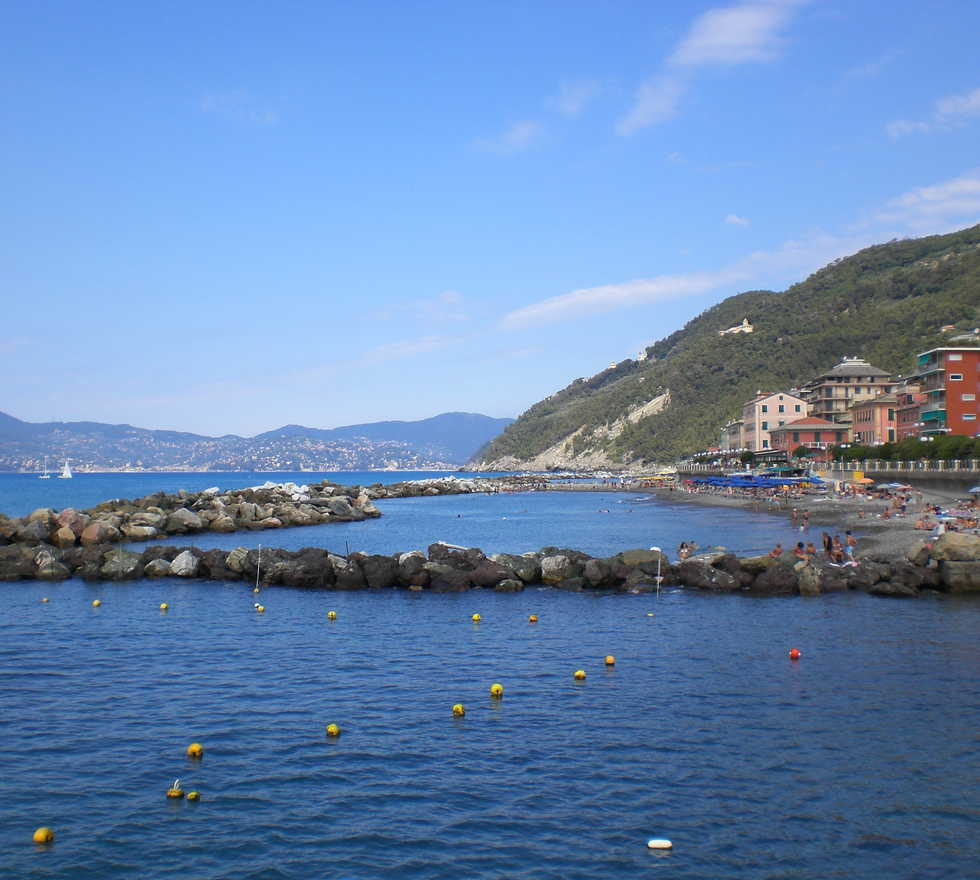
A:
[(855, 402)]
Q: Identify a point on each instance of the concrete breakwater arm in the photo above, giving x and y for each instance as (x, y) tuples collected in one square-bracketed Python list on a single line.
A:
[(271, 506), (951, 564)]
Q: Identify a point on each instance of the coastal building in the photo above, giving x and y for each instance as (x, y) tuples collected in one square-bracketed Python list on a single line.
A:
[(744, 327), (731, 436), (950, 383), (874, 422), (908, 400), (811, 432), (830, 395), (766, 411)]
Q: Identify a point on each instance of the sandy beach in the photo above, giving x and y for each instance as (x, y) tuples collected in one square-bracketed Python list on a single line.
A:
[(876, 536)]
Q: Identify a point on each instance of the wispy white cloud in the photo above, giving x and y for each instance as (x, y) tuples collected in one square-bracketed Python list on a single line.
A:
[(735, 35), (735, 220), (239, 106), (947, 205), (516, 138), (656, 101), (949, 113), (404, 348), (950, 204), (574, 96), (871, 68), (732, 35)]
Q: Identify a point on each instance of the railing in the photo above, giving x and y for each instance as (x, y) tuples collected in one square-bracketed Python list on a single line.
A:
[(971, 465)]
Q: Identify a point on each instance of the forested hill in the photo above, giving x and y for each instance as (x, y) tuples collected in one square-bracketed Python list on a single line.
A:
[(885, 303)]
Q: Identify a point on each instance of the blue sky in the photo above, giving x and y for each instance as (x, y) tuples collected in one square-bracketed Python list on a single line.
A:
[(229, 217)]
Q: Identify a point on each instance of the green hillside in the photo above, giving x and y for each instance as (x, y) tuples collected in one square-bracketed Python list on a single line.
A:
[(885, 303)]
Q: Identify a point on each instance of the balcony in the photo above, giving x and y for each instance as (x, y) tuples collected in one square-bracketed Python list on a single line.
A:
[(934, 415)]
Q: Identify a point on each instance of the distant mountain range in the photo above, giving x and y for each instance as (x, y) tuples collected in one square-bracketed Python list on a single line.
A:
[(443, 441)]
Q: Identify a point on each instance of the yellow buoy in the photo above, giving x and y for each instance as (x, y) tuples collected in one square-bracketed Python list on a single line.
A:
[(496, 691), (44, 835), (193, 795), (651, 614), (579, 675), (164, 606), (659, 843), (610, 660), (175, 791), (333, 730), (96, 603), (331, 615), (195, 750), (476, 618), (533, 618), (458, 710), (260, 608), (256, 590), (44, 598)]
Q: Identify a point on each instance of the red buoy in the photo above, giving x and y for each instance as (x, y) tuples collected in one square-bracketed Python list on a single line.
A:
[(794, 654)]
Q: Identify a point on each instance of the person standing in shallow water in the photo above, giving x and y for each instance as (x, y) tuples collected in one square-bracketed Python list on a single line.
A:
[(827, 543)]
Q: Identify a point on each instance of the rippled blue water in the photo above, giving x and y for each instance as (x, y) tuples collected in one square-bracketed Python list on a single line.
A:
[(860, 760)]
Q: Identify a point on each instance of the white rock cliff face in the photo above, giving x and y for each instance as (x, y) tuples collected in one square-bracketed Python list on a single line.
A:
[(593, 455)]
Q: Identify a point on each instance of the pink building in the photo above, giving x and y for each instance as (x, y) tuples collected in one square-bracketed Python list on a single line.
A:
[(765, 412), (873, 422)]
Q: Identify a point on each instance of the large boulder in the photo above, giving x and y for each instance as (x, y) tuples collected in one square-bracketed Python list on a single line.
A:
[(121, 565), (223, 523), (347, 573), (379, 571), (650, 562), (956, 547), (960, 577), (447, 578), (182, 521), (213, 565), (99, 531), (237, 559), (526, 567), (756, 565), (866, 574), (44, 515), (155, 519), (809, 579), (63, 537), (555, 569), (341, 508), (776, 580), (157, 568), (185, 565), (139, 533), (16, 562), (34, 531), (72, 519), (700, 573), (309, 567), (411, 569), (509, 585)]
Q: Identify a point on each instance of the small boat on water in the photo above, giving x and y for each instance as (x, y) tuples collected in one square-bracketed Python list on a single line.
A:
[(65, 472), (44, 475)]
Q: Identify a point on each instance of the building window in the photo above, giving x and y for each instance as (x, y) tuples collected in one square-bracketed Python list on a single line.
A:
[(891, 415), (765, 444), (765, 408), (796, 408), (857, 389), (891, 435), (765, 426), (953, 356), (796, 436), (840, 436), (816, 436), (782, 408), (955, 377), (969, 397), (969, 417)]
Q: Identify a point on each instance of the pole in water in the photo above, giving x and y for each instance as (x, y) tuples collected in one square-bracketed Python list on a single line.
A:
[(347, 546), (659, 553), (258, 566)]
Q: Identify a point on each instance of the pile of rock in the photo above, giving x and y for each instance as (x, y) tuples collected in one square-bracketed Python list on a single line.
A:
[(271, 506), (951, 564)]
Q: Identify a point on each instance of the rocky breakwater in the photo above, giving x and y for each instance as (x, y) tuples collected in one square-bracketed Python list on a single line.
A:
[(951, 565), (271, 506)]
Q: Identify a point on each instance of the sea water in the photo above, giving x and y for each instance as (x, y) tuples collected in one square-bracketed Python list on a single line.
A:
[(859, 760)]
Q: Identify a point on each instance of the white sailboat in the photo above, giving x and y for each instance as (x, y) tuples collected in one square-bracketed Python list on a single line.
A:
[(45, 475), (65, 472)]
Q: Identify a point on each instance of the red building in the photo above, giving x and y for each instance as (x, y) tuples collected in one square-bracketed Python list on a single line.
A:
[(811, 432), (950, 383), (908, 402)]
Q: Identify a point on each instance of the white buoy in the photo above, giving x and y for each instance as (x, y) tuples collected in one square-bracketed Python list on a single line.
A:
[(659, 843)]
